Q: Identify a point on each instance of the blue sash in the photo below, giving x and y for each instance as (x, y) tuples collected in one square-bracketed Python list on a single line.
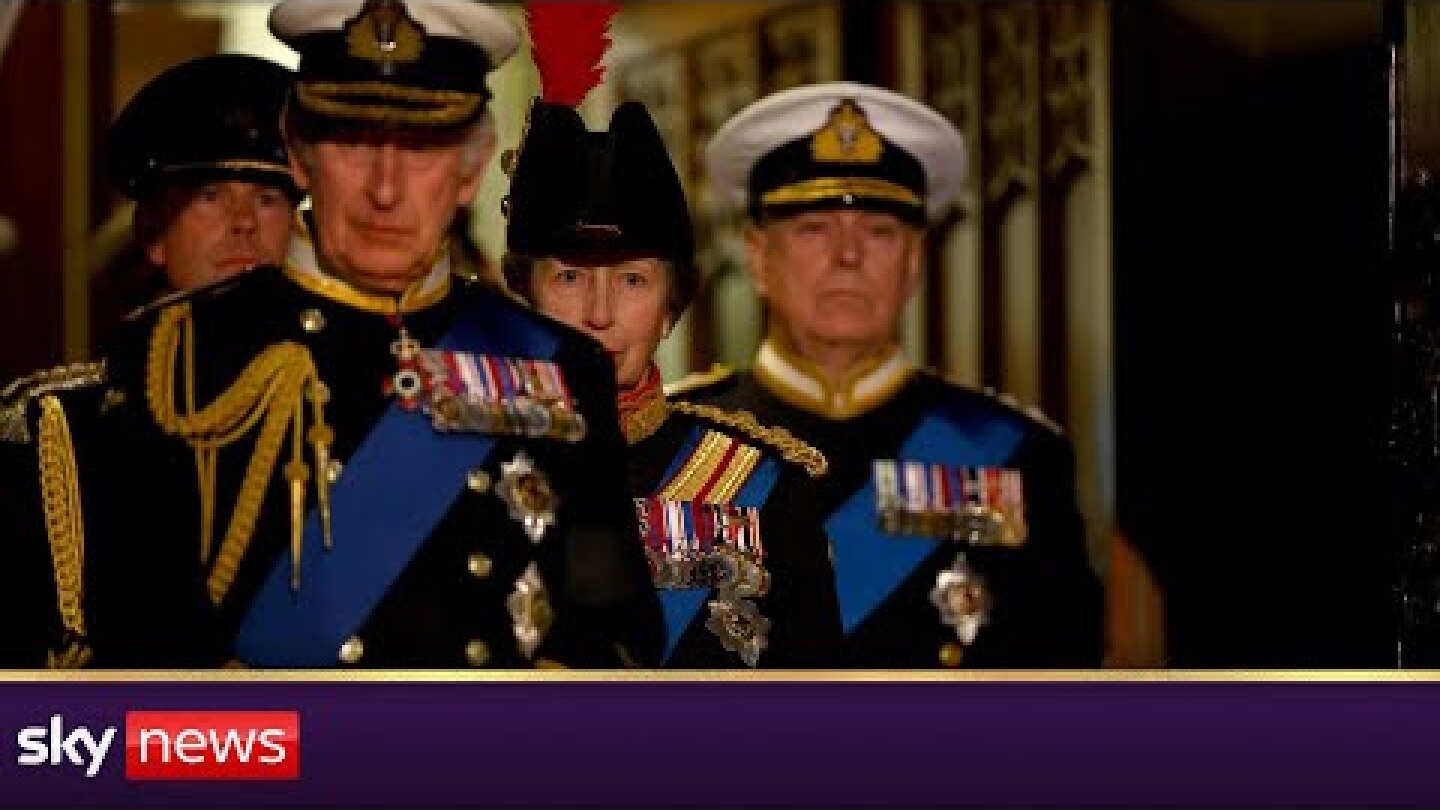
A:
[(398, 486), (680, 606), (870, 564)]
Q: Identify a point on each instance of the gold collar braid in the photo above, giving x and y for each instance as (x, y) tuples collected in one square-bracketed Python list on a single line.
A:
[(272, 388)]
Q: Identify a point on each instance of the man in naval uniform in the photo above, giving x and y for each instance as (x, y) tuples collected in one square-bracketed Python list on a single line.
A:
[(332, 497), (953, 517), (199, 151), (599, 237)]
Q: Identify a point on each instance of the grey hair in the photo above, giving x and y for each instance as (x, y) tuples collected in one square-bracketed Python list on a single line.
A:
[(479, 139)]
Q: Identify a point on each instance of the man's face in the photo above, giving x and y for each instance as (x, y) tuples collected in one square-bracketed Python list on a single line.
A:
[(625, 306), (224, 228), (836, 278), (383, 201)]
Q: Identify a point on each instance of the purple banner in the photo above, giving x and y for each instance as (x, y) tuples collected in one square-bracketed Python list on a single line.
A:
[(629, 742)]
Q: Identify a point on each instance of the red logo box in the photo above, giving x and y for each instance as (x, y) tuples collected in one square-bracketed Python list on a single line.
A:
[(212, 745)]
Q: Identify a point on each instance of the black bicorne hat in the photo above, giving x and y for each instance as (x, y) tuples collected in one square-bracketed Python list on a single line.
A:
[(216, 117), (599, 196)]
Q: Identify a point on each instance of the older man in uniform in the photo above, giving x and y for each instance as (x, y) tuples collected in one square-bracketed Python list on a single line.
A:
[(952, 516), (367, 461), (199, 151)]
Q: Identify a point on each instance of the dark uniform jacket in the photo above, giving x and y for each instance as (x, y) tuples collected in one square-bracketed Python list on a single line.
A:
[(800, 607), (47, 424), (452, 604), (1046, 602)]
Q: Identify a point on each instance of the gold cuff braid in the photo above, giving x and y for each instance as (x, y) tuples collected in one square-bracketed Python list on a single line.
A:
[(65, 528), (271, 390)]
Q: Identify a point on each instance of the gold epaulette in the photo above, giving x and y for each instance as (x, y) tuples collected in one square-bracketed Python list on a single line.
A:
[(718, 372), (15, 397), (65, 529), (1029, 411), (777, 438)]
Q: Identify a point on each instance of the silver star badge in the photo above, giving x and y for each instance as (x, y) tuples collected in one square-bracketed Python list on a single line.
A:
[(528, 495), (963, 599), (529, 606), (740, 627)]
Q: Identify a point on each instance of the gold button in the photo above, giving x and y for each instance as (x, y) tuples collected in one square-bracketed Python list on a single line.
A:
[(477, 653), (479, 565), (479, 481), (312, 320), (352, 650), (951, 654), (332, 472), (114, 398)]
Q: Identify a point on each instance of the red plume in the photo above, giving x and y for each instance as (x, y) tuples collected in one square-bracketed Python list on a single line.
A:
[(567, 41)]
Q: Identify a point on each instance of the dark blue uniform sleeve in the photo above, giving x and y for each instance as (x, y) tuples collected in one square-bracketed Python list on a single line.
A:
[(610, 613)]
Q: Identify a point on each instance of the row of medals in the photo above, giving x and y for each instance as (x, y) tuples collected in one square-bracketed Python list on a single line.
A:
[(520, 415), (419, 382), (973, 523)]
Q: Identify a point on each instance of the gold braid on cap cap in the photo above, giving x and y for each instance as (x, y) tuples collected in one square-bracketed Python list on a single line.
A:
[(232, 165), (448, 107), (65, 529), (273, 389), (830, 188)]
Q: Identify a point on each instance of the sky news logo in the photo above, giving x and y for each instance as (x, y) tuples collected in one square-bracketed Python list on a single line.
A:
[(173, 745)]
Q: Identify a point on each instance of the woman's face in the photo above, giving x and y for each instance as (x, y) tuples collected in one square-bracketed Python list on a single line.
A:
[(625, 306)]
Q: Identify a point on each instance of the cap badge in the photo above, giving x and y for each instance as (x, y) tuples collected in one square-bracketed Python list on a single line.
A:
[(847, 137), (383, 32)]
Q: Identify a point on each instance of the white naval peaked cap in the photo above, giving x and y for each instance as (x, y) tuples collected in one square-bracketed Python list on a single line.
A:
[(918, 168), (395, 62), (468, 20)]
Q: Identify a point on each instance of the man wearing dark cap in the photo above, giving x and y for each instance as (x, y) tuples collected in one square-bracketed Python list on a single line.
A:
[(600, 238), (952, 515), (367, 461), (199, 150)]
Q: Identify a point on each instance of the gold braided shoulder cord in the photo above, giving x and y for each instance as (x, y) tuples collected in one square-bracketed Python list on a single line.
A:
[(271, 390), (791, 449), (65, 527)]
